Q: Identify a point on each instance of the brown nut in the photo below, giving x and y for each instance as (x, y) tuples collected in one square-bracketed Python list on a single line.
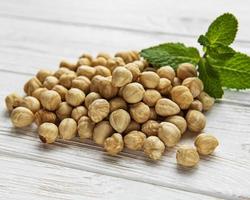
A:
[(166, 72), (153, 147), (50, 82), (75, 97), (133, 92), (68, 129), (164, 86), (12, 101), (61, 90), (165, 107), (206, 100), (119, 120), (134, 140), (117, 103), (37, 93), (21, 117), (177, 81), (149, 79), (121, 76), (106, 89), (85, 127), (90, 98), (68, 65), (196, 121), (66, 79), (63, 111), (206, 144), (86, 71), (169, 134), (194, 84), (187, 156), (186, 70), (153, 114), (95, 82), (50, 100), (182, 96), (31, 103), (48, 132), (196, 105), (133, 126), (98, 110), (78, 112), (150, 128), (58, 73), (151, 96), (43, 116), (82, 83), (102, 71), (43, 74), (178, 121), (102, 131), (140, 112), (114, 144), (134, 69), (31, 85)]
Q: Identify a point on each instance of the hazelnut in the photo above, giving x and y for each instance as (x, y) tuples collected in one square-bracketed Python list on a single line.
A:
[(31, 103), (106, 89), (86, 71), (63, 111), (61, 90), (102, 131), (149, 79), (169, 134), (128, 56), (187, 156), (164, 86), (43, 74), (141, 64), (44, 116), (31, 85), (153, 114), (85, 127), (186, 70), (68, 128), (103, 71), (151, 96), (12, 101), (134, 140), (177, 81), (206, 100), (133, 92), (95, 82), (78, 112), (58, 73), (90, 98), (119, 120), (98, 110), (114, 144), (178, 121), (166, 72), (21, 117), (66, 79), (150, 128), (48, 132), (68, 65), (50, 82), (75, 97), (182, 96), (121, 76), (82, 83), (194, 84), (86, 55), (196, 121), (84, 61), (37, 93), (104, 55), (50, 100), (140, 112), (99, 62), (206, 144), (196, 105), (154, 147), (117, 103), (134, 69), (133, 126), (165, 107)]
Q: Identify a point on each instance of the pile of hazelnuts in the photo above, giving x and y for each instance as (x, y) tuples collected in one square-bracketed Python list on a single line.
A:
[(118, 101)]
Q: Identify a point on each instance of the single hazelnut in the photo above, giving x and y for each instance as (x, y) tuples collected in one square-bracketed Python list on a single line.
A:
[(121, 76), (82, 83), (119, 120), (102, 70), (194, 84), (43, 74), (31, 85), (50, 100), (149, 79), (90, 98), (134, 140), (141, 64), (78, 112), (186, 70), (134, 69), (58, 73), (206, 144), (43, 116), (178, 121), (151, 96), (196, 105), (95, 82), (153, 147), (150, 128), (182, 96), (87, 55), (133, 92), (117, 103), (133, 126), (177, 81), (102, 131), (206, 100), (21, 117), (196, 121), (165, 107), (37, 93), (166, 72), (66, 79), (75, 97), (50, 82), (104, 55), (84, 61), (140, 112), (48, 132), (128, 56), (85, 127), (169, 134), (106, 89), (114, 144), (12, 101), (61, 90), (99, 62), (31, 103), (98, 110), (63, 111), (86, 71), (164, 86), (68, 65), (187, 156), (68, 128)]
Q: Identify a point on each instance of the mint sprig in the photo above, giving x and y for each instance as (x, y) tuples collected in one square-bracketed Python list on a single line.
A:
[(220, 66)]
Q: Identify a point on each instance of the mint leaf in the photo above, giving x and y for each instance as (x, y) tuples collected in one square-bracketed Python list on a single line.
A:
[(171, 54), (203, 40), (223, 29), (234, 72), (210, 78), (220, 51)]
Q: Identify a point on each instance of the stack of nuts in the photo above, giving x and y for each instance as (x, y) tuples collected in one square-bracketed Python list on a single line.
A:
[(118, 102)]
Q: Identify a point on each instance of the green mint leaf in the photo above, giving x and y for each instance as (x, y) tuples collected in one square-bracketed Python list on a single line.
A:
[(234, 72), (220, 51), (203, 40), (210, 78), (223, 29), (171, 54)]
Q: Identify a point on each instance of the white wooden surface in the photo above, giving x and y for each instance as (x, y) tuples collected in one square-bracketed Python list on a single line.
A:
[(37, 34)]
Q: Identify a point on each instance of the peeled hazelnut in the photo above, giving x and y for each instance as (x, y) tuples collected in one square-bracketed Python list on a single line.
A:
[(194, 84), (98, 110), (150, 127), (165, 107), (99, 62), (31, 103), (166, 72), (182, 96), (50, 100), (86, 71), (169, 134), (133, 126), (68, 65), (178, 121), (95, 82), (102, 131), (121, 76), (66, 79), (149, 79), (21, 117), (102, 70), (82, 83), (48, 132), (68, 128), (63, 111), (134, 140), (31, 85), (43, 74), (140, 112), (87, 55), (43, 116), (117, 103), (61, 90), (196, 120), (154, 147), (128, 56), (196, 105), (78, 112), (37, 93), (58, 73), (134, 69), (206, 100), (84, 61), (177, 81), (151, 96), (104, 55), (90, 98), (206, 144), (50, 82), (187, 156), (133, 92), (141, 64), (119, 120), (85, 127), (12, 101), (106, 89), (75, 97), (114, 144), (164, 86), (186, 70)]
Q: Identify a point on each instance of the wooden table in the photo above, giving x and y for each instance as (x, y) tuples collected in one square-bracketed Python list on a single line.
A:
[(38, 34)]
